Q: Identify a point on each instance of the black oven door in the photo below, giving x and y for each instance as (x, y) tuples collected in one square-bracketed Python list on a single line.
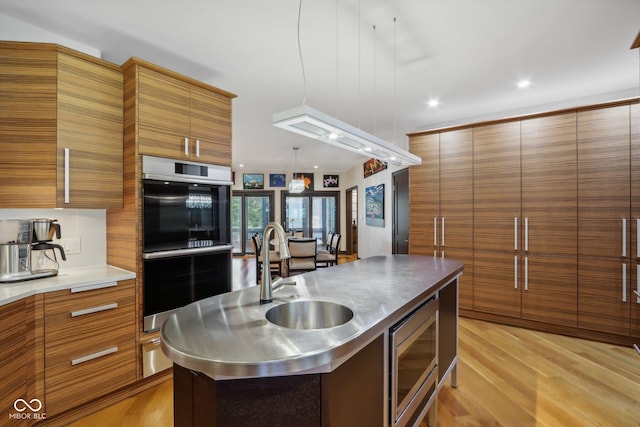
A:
[(171, 282)]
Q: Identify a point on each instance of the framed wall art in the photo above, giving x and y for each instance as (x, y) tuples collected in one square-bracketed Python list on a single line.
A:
[(374, 200), (372, 166), (277, 180), (330, 181), (253, 181)]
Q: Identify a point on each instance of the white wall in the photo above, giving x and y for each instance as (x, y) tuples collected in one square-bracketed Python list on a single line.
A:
[(89, 225), (16, 30)]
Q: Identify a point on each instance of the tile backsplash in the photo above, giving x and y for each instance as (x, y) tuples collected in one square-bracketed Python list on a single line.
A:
[(88, 227)]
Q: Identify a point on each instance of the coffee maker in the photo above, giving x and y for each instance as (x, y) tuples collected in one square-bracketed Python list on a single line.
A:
[(26, 251), (43, 257)]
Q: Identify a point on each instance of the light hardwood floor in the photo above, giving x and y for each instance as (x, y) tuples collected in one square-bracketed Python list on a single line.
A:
[(507, 377)]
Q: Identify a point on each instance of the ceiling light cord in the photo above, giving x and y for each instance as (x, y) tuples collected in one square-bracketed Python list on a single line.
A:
[(304, 76)]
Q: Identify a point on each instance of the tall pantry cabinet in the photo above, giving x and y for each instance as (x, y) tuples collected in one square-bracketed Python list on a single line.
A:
[(442, 202), (555, 205)]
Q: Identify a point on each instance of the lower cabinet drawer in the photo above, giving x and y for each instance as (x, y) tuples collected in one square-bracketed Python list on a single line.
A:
[(88, 376)]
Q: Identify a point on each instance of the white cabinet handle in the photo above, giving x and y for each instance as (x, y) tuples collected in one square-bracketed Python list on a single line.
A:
[(515, 233), (526, 273), (186, 146), (95, 355), (435, 231), (94, 309), (637, 291), (515, 272), (624, 282), (443, 231), (66, 175), (526, 234), (624, 237), (197, 148)]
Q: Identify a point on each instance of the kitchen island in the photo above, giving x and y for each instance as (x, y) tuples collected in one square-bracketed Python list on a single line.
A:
[(232, 366)]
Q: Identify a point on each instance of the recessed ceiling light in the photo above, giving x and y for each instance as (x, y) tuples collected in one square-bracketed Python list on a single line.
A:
[(524, 83), (433, 103), (315, 166), (241, 165)]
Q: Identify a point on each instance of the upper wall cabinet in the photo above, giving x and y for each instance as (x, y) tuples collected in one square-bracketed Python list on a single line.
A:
[(60, 128), (177, 117)]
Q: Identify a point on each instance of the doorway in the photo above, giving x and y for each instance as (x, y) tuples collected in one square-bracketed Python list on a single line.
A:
[(251, 211), (351, 234), (401, 212)]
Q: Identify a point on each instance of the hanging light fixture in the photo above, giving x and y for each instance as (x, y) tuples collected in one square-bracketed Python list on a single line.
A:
[(312, 123), (296, 185)]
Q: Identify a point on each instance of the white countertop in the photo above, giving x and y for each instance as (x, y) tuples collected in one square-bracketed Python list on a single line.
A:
[(66, 279)]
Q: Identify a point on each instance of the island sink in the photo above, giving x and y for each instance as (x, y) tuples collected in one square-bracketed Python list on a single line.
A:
[(309, 315)]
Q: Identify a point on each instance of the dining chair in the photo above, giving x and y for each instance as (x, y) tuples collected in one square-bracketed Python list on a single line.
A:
[(330, 257), (325, 249), (303, 255), (275, 262)]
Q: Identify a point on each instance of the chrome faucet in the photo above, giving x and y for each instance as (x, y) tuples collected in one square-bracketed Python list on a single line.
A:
[(283, 248)]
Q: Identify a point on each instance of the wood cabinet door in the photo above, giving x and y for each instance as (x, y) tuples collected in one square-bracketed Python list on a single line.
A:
[(635, 217), (27, 128), (13, 354), (424, 189), (604, 181), (210, 127), (456, 205), (550, 218), (164, 110), (90, 120), (496, 218), (604, 185)]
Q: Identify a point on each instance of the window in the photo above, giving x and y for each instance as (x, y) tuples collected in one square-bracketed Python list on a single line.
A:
[(251, 211), (313, 213)]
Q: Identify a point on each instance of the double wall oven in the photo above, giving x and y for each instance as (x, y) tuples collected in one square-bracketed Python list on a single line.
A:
[(186, 235)]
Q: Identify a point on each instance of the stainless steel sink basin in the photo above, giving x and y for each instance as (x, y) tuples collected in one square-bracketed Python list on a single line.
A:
[(309, 315)]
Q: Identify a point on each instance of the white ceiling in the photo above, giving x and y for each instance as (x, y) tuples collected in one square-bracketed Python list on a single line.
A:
[(469, 54)]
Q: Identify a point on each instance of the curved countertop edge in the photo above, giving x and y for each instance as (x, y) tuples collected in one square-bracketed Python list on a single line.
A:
[(322, 359), (66, 279)]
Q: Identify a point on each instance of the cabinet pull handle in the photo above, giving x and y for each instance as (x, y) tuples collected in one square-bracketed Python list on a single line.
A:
[(443, 231), (526, 273), (186, 146), (95, 355), (94, 309), (624, 237), (637, 290), (66, 175), (94, 287), (624, 282), (515, 272), (526, 234), (435, 231), (197, 148), (637, 237), (515, 233)]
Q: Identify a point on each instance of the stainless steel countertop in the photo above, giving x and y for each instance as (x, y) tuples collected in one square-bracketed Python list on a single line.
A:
[(228, 336)]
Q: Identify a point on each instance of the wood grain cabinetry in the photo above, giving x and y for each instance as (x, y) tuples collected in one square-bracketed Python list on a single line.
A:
[(556, 212), (496, 214), (604, 220), (441, 201), (179, 118), (14, 318), (548, 251), (61, 134), (89, 343)]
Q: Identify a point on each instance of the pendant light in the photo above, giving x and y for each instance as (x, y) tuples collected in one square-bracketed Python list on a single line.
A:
[(296, 185), (312, 123)]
